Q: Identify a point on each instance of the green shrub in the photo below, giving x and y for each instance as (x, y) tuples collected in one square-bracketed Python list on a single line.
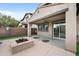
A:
[(10, 37), (77, 53)]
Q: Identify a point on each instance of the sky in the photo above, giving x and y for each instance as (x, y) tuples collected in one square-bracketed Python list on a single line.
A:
[(17, 10)]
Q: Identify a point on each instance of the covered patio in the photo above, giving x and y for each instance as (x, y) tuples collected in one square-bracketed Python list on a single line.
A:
[(51, 41), (64, 13)]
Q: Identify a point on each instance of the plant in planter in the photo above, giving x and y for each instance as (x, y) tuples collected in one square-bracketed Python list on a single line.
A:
[(0, 42), (21, 40)]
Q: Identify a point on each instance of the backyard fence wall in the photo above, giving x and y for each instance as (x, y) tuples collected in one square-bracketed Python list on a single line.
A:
[(15, 31)]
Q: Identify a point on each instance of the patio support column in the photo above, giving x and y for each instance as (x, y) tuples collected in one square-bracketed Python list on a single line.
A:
[(50, 29), (29, 30), (71, 28)]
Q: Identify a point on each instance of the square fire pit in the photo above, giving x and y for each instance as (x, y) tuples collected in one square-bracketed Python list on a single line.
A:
[(21, 44)]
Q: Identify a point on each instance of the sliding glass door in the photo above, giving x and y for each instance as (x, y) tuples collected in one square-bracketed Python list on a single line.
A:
[(59, 29), (62, 30), (56, 30)]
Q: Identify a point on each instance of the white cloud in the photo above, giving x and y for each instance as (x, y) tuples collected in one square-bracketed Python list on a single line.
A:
[(6, 12), (16, 15)]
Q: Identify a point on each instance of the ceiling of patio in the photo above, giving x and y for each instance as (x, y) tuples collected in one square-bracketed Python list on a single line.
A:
[(59, 16)]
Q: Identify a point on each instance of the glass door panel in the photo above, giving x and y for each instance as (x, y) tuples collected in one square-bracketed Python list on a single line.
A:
[(62, 30), (56, 30)]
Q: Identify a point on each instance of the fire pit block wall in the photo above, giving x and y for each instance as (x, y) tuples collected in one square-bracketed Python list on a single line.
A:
[(17, 47)]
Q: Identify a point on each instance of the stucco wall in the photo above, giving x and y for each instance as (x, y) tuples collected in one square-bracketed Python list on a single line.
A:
[(71, 25), (47, 11), (50, 29)]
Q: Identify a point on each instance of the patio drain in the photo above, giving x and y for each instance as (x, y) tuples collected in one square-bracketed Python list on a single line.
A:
[(45, 40), (36, 37), (0, 42)]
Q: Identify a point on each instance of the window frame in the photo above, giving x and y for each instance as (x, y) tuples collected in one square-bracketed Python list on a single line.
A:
[(59, 22), (42, 27)]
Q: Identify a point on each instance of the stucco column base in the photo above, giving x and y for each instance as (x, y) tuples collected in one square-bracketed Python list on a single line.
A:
[(29, 30)]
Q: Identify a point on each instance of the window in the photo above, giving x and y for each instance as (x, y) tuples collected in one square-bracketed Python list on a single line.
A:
[(43, 27)]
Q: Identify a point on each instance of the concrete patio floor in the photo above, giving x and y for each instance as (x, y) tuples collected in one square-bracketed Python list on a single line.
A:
[(52, 41), (39, 49)]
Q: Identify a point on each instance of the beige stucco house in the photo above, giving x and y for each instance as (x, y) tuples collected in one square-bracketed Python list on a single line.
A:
[(57, 20)]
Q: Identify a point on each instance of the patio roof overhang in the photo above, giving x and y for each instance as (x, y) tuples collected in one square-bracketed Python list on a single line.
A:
[(52, 17)]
